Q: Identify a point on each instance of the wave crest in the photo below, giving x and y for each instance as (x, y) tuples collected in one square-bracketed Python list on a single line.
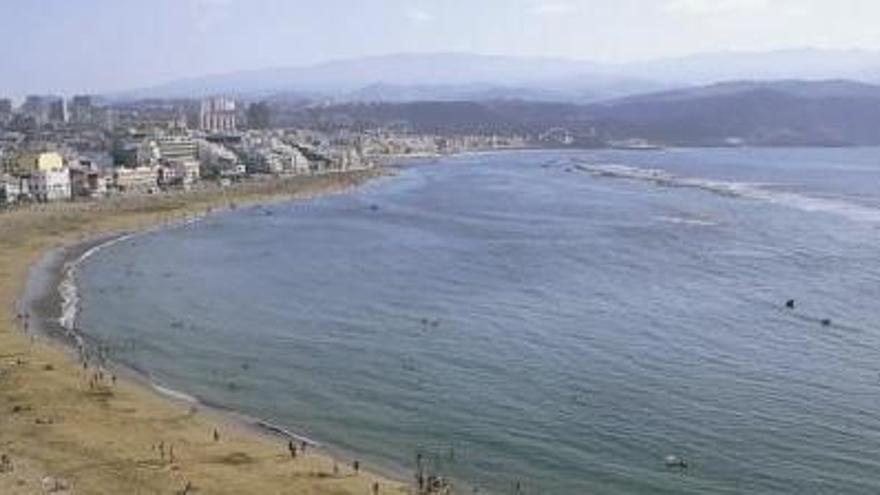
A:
[(745, 190)]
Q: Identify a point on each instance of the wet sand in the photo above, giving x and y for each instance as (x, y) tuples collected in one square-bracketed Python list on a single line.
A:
[(67, 431)]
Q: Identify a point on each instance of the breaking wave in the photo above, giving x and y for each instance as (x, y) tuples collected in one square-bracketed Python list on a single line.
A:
[(695, 222), (745, 190), (67, 288), (68, 291)]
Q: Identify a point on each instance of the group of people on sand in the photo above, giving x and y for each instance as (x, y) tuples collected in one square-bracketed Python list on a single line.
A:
[(25, 320), (165, 454), (6, 464), (292, 449), (432, 484), (99, 377)]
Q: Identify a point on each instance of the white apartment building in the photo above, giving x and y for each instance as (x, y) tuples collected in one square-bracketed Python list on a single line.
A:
[(11, 189), (50, 185), (217, 114), (137, 180), (218, 160), (179, 173)]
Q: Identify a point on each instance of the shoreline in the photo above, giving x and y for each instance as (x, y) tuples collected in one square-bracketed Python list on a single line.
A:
[(54, 257), (48, 309)]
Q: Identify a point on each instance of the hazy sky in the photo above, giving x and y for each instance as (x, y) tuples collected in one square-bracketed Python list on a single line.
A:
[(99, 45)]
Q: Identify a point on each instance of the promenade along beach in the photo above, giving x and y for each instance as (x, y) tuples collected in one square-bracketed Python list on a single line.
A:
[(68, 429)]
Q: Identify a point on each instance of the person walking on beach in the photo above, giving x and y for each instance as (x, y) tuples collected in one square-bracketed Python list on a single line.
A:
[(292, 449), (375, 488), (356, 465), (216, 435)]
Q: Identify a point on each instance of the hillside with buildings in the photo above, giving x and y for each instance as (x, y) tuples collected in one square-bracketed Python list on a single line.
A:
[(52, 149), (86, 147)]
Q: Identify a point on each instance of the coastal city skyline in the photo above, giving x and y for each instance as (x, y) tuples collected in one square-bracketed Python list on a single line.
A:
[(104, 46)]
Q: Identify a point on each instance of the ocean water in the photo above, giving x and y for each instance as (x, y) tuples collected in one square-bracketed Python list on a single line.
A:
[(561, 319)]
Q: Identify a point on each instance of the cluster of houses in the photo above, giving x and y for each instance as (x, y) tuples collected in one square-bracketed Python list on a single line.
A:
[(55, 150), (45, 176), (52, 151), (162, 161)]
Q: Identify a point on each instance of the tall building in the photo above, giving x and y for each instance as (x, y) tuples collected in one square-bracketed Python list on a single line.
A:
[(57, 110), (45, 109), (36, 107), (81, 110), (167, 149), (258, 115), (5, 110), (177, 148), (217, 114)]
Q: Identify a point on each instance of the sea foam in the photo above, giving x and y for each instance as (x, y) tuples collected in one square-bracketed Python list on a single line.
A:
[(745, 190)]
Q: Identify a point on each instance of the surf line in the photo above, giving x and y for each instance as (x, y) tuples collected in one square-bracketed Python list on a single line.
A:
[(70, 306), (743, 190), (68, 290)]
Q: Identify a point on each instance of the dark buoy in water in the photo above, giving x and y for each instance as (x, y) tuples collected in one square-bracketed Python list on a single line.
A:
[(789, 304), (826, 322), (673, 461)]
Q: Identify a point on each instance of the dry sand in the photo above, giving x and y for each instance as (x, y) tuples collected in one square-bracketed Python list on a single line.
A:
[(63, 436)]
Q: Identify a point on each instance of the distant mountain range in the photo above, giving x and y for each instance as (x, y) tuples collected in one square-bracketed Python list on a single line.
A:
[(469, 77), (788, 112), (416, 77), (772, 113), (815, 97)]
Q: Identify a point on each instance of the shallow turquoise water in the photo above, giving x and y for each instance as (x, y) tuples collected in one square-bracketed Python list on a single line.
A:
[(539, 316)]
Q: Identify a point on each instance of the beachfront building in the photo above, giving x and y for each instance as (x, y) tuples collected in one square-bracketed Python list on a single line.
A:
[(345, 158), (88, 181), (12, 189), (7, 159), (219, 161), (50, 185), (143, 180), (28, 162), (166, 148), (265, 153), (177, 148), (46, 175), (278, 160), (175, 158), (183, 173)]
